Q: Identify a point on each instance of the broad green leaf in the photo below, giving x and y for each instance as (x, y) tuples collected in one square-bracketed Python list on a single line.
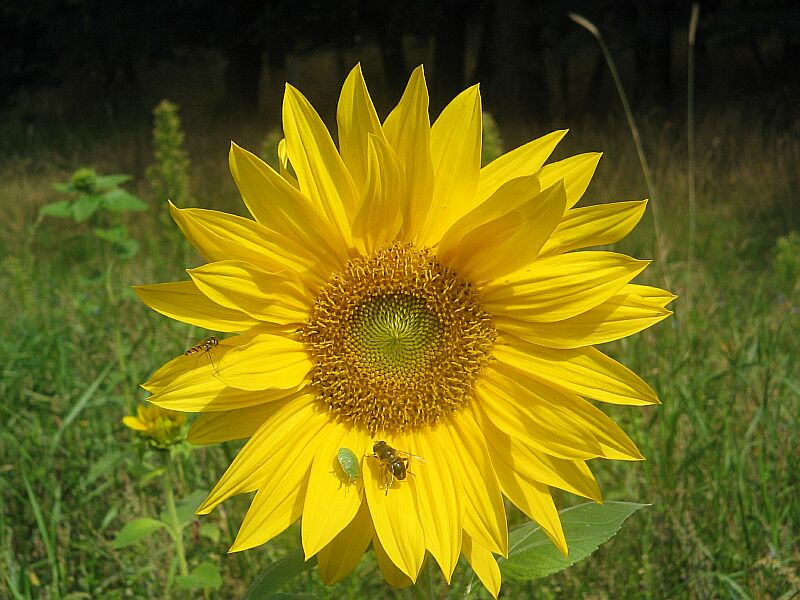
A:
[(271, 579), (136, 530), (532, 555), (118, 200), (60, 210), (85, 206), (203, 576), (107, 182)]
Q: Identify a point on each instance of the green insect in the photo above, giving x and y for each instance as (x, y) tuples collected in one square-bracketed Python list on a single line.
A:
[(348, 461)]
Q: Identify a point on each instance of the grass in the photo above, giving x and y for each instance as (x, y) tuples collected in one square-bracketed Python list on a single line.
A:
[(722, 449)]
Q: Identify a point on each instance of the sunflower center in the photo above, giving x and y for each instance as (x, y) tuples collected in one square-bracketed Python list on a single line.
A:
[(397, 340)]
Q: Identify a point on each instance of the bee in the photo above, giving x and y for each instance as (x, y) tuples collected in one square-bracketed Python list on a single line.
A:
[(395, 466), (205, 346), (348, 461)]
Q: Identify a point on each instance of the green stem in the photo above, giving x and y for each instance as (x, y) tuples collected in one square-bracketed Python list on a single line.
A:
[(177, 530)]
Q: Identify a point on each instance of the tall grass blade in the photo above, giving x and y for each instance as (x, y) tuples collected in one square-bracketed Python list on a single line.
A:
[(690, 153), (651, 188)]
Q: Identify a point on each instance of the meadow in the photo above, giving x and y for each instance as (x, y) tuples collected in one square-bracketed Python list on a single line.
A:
[(722, 450)]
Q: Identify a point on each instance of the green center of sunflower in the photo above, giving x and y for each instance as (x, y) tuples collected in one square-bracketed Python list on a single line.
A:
[(397, 340)]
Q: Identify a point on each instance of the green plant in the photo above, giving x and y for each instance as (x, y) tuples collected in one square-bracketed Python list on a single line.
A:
[(492, 140), (169, 175), (98, 199)]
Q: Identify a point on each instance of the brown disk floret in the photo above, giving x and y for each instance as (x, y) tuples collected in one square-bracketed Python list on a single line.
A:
[(397, 340)]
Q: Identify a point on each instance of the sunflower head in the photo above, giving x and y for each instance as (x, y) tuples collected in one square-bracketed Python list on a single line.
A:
[(393, 298), (160, 426)]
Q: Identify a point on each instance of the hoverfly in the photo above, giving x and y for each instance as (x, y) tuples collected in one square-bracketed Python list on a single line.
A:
[(348, 461), (206, 346), (395, 466)]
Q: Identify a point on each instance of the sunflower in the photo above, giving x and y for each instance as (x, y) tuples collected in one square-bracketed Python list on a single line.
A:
[(394, 291), (160, 426)]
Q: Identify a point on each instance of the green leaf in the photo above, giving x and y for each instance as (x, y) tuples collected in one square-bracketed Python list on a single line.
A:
[(66, 188), (85, 206), (203, 576), (107, 182), (118, 200), (277, 574), (210, 531), (128, 249), (118, 234), (60, 210), (587, 526), (136, 530)]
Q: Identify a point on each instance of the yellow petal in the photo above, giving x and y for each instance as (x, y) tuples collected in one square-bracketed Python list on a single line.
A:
[(380, 215), (624, 314), (320, 171), (651, 296), (533, 499), (506, 198), (357, 120), (573, 476), (441, 511), (182, 301), (221, 236), (279, 298), (283, 165), (341, 556), (393, 576), (205, 396), (330, 505), (614, 443), (197, 371), (279, 206), (585, 371), (408, 131), (520, 162), (276, 445), (275, 506), (575, 171), (594, 226), (508, 242), (402, 539), (523, 413), (484, 564), (267, 361), (134, 423), (456, 155), (485, 515), (238, 424), (562, 286)]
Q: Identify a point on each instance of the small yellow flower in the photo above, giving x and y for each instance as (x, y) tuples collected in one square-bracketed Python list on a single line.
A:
[(392, 290), (160, 425)]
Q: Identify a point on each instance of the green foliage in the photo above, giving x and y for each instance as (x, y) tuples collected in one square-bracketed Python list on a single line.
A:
[(269, 149), (787, 261), (135, 531), (531, 554), (492, 140), (274, 578), (721, 450), (203, 576), (169, 175), (99, 199)]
